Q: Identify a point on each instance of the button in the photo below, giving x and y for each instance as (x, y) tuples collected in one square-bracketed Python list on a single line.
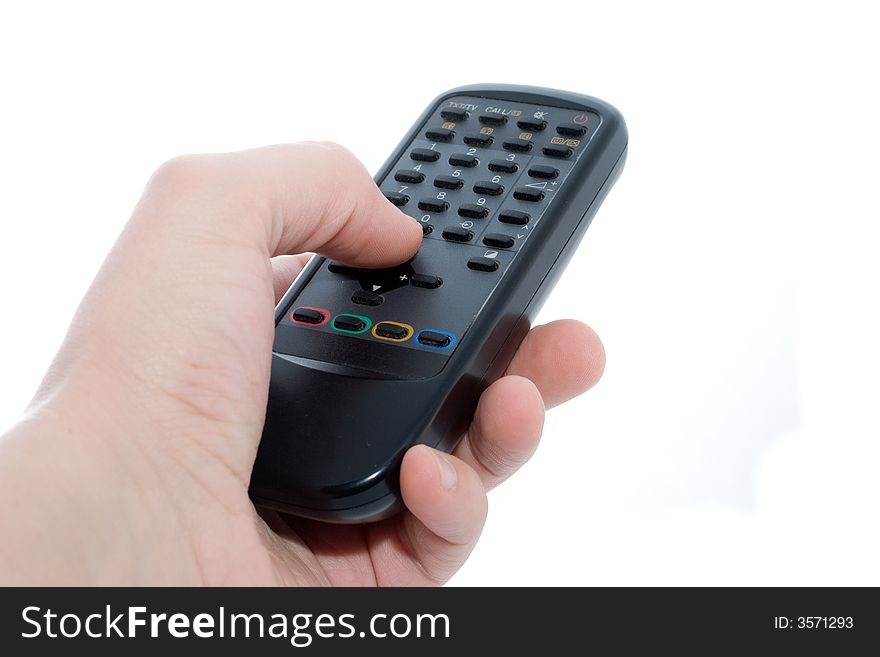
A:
[(503, 166), (397, 198), (426, 281), (488, 188), (540, 171), (424, 155), (367, 298), (571, 129), (448, 182), (517, 145), (427, 229), (433, 205), (478, 140), (498, 240), (514, 217), (409, 176), (493, 119), (440, 134), (473, 211), (339, 268), (483, 264), (436, 339), (463, 160), (554, 150), (532, 125), (394, 331), (456, 234), (351, 323), (311, 316), (454, 115), (527, 194)]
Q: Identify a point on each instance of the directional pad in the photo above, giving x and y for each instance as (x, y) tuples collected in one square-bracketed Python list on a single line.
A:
[(377, 281)]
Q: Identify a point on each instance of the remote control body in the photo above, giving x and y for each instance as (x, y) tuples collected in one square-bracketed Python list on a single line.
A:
[(367, 363)]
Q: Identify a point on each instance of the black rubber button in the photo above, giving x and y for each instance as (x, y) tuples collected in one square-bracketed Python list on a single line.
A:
[(483, 264), (424, 155), (498, 240), (392, 331), (493, 119), (514, 217), (308, 316), (478, 140), (367, 298), (434, 339), (527, 194), (456, 234), (463, 160), (409, 176), (448, 182), (556, 150), (488, 188), (427, 229), (503, 166), (339, 268), (570, 129), (349, 323), (397, 198), (540, 171), (454, 115), (426, 281), (433, 205), (532, 125), (517, 145), (473, 211), (440, 134)]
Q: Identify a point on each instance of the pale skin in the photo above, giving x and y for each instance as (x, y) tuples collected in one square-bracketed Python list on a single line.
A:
[(131, 464)]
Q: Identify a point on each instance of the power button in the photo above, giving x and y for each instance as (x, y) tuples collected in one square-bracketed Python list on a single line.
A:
[(580, 119)]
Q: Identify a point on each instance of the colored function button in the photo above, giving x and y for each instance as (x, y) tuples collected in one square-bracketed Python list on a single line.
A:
[(514, 217), (351, 323), (556, 150), (436, 339), (448, 182), (478, 140), (488, 188), (425, 281), (424, 155), (498, 240), (440, 134), (463, 160), (367, 298), (433, 205), (571, 129), (397, 198), (532, 125), (339, 268), (493, 119), (409, 176), (483, 264), (517, 145), (311, 316), (394, 331), (540, 171), (456, 234), (528, 194), (503, 166), (454, 115), (473, 211)]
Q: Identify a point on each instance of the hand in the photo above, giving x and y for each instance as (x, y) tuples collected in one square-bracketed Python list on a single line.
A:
[(132, 463)]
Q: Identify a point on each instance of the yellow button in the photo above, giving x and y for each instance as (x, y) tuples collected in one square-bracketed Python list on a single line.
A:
[(392, 331)]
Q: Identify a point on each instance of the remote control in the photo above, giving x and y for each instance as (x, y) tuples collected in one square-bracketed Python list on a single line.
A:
[(367, 363)]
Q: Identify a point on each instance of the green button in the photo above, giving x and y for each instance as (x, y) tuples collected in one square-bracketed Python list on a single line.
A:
[(351, 323)]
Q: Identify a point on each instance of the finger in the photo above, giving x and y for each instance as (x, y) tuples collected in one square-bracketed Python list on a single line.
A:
[(563, 359), (285, 268), (283, 199), (506, 430), (446, 511)]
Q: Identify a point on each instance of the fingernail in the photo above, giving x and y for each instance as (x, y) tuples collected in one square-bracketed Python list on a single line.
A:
[(448, 473)]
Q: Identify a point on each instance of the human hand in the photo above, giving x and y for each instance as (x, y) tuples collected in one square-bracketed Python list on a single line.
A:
[(133, 461)]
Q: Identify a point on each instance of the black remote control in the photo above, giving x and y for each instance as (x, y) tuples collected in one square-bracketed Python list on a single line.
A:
[(366, 363)]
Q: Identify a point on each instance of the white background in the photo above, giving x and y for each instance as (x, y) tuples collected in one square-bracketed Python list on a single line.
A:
[(731, 273)]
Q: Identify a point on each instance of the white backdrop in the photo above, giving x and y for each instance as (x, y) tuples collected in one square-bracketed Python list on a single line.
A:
[(732, 272)]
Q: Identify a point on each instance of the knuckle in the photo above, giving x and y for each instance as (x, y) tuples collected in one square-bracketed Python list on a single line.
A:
[(184, 173)]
